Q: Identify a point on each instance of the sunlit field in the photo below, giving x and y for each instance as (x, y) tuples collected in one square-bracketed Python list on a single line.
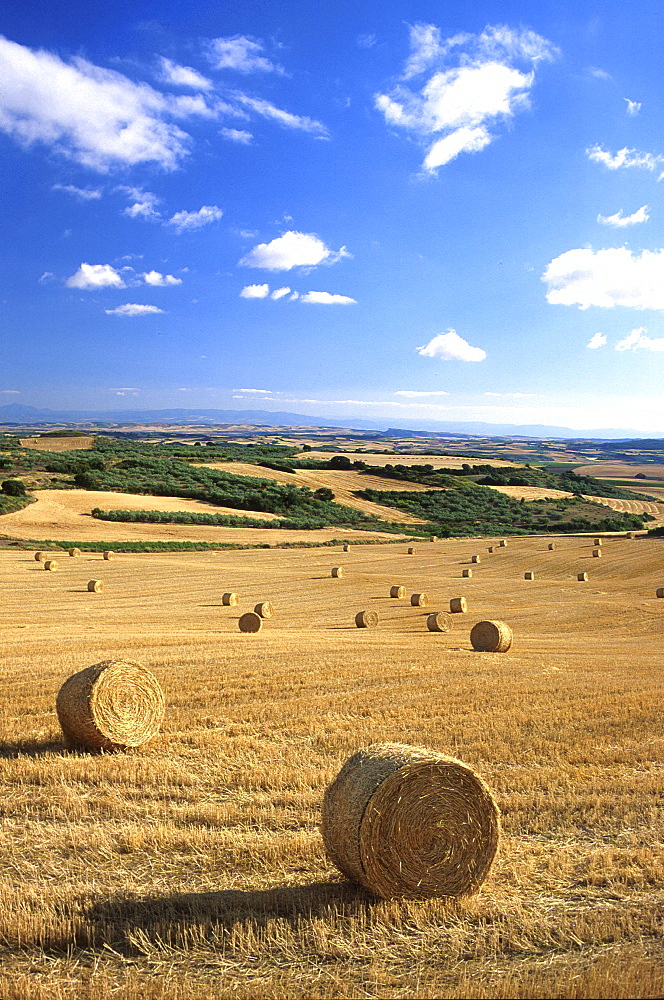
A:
[(194, 867)]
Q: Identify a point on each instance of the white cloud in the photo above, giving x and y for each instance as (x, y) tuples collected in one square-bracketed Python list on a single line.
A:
[(624, 158), (10, 392), (412, 394), (293, 249), (294, 296), (242, 53), (184, 221), (90, 276), (366, 41), (597, 340), (619, 220), (451, 347), (459, 104), (85, 194), (236, 135), (262, 392), (637, 339), (633, 107), (599, 74), (132, 309), (143, 203), (98, 117), (325, 299), (255, 292), (607, 278), (279, 293), (285, 118), (46, 277), (159, 280), (183, 76)]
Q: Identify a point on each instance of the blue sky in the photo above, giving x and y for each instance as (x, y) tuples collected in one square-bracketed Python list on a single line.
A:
[(400, 210)]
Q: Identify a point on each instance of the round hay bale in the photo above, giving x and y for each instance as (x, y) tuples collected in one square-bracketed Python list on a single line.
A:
[(529, 575), (51, 564), (411, 551), (366, 619), (552, 546), (502, 543), (434, 538), (458, 605), (490, 549), (265, 609), (410, 822), (582, 577), (597, 541), (397, 591), (95, 586), (631, 534), (659, 592), (110, 705), (346, 548), (109, 554), (419, 600), (491, 637), (467, 573), (439, 621), (597, 553), (337, 571), (74, 552), (40, 556), (230, 600), (250, 621), (475, 559)]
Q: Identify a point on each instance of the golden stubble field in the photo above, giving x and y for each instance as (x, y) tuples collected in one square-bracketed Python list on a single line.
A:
[(195, 868)]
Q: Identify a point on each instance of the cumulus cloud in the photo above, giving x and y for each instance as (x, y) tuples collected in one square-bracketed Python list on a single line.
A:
[(457, 106), (597, 340), (255, 292), (279, 293), (451, 347), (633, 107), (242, 53), (637, 340), (85, 194), (182, 76), (413, 394), (158, 280), (607, 278), (98, 117), (285, 118), (185, 221), (624, 158), (619, 220), (92, 276), (143, 204), (326, 299), (293, 249), (133, 309), (236, 135)]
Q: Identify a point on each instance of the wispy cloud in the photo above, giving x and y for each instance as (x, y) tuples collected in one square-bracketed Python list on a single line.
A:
[(633, 107), (133, 309), (279, 293), (186, 221), (625, 158), (597, 340), (94, 276), (451, 347), (242, 53), (182, 76), (255, 292), (293, 249), (236, 135), (85, 194), (619, 220), (637, 340), (327, 299), (607, 278), (285, 118), (261, 392)]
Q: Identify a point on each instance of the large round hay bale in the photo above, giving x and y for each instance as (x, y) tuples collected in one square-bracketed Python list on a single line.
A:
[(250, 622), (411, 551), (40, 556), (230, 600), (475, 559), (337, 571), (659, 592), (439, 621), (265, 609), (95, 586), (552, 546), (397, 591), (434, 538), (597, 541), (51, 564), (467, 573), (419, 600), (582, 577), (74, 552), (529, 575), (491, 637), (502, 543), (109, 554), (458, 605), (490, 549), (346, 548), (597, 553), (631, 534), (110, 705), (410, 822), (366, 619)]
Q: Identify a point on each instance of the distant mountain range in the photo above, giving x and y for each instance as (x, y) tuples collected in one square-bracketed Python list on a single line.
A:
[(17, 414)]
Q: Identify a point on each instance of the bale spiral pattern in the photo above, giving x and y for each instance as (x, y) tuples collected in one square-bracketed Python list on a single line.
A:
[(51, 564), (40, 556), (397, 591), (491, 637), (458, 605), (95, 586), (109, 554), (265, 609), (74, 552), (230, 600), (366, 619), (439, 621), (419, 600)]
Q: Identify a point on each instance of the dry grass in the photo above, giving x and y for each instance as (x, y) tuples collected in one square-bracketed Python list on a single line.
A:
[(438, 461), (195, 867)]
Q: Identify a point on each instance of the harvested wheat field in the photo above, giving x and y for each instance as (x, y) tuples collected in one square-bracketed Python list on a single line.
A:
[(194, 866)]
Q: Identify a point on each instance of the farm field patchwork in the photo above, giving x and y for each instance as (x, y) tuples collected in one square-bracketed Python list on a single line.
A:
[(195, 868)]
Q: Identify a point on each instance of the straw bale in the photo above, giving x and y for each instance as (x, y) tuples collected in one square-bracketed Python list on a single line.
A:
[(337, 571), (40, 556), (110, 706), (265, 609), (552, 546), (467, 573), (582, 577), (410, 822), (597, 541), (346, 548), (434, 538), (74, 552), (631, 534), (397, 591), (419, 600), (458, 605), (230, 600), (475, 559), (502, 543), (490, 549), (529, 575), (109, 554), (250, 621), (439, 621), (366, 619), (597, 553), (659, 592), (411, 551), (95, 586), (51, 564), (491, 637)]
